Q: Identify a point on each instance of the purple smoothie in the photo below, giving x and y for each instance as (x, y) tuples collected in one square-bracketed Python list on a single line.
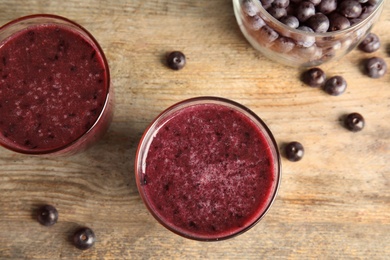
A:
[(53, 87), (209, 172)]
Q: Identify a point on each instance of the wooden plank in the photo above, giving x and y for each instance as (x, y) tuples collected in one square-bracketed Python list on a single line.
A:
[(333, 204)]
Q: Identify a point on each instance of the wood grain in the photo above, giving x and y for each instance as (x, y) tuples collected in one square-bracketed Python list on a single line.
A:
[(334, 204)]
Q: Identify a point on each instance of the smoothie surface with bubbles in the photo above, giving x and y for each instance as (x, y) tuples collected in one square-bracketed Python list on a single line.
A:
[(53, 86), (209, 171)]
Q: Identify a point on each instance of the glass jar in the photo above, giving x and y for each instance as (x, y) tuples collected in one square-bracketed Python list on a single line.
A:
[(208, 168), (296, 47), (55, 92)]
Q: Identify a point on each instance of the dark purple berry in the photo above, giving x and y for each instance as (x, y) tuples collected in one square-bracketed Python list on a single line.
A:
[(315, 2), (354, 122), (375, 67), (277, 12), (338, 22), (370, 43), (84, 238), (294, 151), (283, 44), (250, 8), (47, 215), (318, 22), (280, 3), (291, 9), (305, 28), (305, 40), (266, 3), (256, 22), (290, 21), (366, 11), (267, 35), (354, 21), (305, 10), (176, 60), (373, 2), (350, 8), (335, 86), (327, 6), (314, 77)]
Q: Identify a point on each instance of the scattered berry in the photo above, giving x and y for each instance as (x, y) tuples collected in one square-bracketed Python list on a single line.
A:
[(294, 151), (176, 60), (335, 86), (354, 122), (47, 215), (84, 238), (375, 67), (314, 77), (370, 43)]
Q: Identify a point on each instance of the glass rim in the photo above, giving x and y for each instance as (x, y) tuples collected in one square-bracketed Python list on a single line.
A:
[(92, 40), (347, 30), (260, 124)]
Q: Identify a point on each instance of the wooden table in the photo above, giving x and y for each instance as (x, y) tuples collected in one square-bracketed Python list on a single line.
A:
[(333, 204)]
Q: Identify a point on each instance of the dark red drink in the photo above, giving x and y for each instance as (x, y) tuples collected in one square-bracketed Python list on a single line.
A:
[(54, 86), (208, 168)]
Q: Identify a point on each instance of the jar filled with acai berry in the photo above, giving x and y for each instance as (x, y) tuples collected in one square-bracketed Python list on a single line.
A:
[(306, 32)]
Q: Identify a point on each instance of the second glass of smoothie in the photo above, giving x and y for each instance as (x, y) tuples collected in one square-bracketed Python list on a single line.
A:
[(208, 168), (55, 93)]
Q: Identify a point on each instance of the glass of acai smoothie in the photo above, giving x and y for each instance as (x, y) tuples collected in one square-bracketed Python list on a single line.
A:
[(208, 168), (55, 94)]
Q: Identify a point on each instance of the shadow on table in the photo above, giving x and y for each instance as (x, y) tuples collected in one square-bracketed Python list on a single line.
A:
[(113, 157)]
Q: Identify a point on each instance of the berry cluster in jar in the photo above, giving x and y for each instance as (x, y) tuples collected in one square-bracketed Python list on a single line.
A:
[(319, 15), (299, 33)]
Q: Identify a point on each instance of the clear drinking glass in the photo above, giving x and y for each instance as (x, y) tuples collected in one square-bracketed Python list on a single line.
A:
[(55, 91), (197, 162)]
